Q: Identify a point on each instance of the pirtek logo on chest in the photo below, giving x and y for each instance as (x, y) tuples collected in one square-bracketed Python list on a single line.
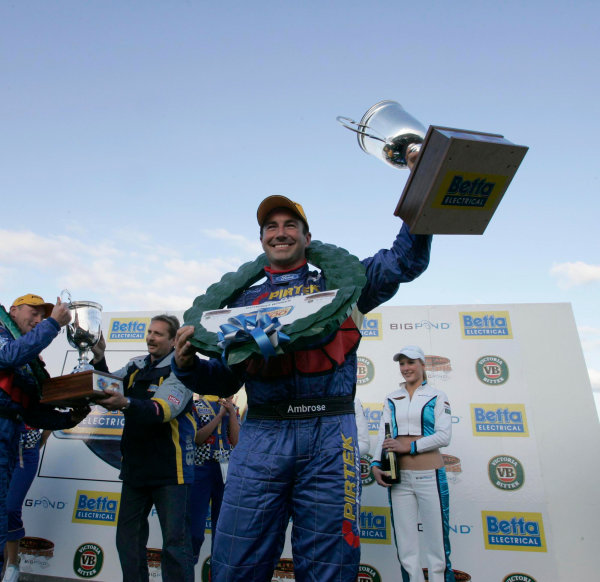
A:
[(292, 291)]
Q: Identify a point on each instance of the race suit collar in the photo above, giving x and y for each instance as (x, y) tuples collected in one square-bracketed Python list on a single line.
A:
[(284, 277), (148, 363)]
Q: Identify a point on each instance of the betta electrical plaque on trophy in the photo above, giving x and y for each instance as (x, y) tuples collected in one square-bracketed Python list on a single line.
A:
[(458, 178)]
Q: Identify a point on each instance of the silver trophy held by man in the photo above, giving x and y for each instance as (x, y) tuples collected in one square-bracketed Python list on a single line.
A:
[(84, 384), (84, 329), (458, 176)]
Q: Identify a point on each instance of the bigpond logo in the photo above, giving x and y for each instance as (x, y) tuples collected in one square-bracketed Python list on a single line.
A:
[(492, 370), (371, 327), (499, 420), (365, 370), (96, 507), (506, 473), (373, 412), (508, 530), (45, 503), (88, 560), (419, 325), (485, 325), (128, 329), (375, 525)]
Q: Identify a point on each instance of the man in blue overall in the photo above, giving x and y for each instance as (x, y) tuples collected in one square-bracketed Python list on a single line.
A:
[(297, 464), (26, 329)]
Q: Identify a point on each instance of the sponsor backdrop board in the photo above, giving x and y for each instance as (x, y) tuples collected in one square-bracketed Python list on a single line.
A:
[(522, 462)]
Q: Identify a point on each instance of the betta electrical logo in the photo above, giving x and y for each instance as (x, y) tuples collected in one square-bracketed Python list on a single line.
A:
[(96, 507), (506, 473), (365, 370), (373, 412), (88, 560), (492, 370), (485, 325), (499, 420), (98, 424), (374, 525), (371, 327), (469, 190), (508, 530), (128, 329)]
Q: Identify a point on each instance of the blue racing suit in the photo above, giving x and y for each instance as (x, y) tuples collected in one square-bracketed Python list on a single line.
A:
[(20, 399), (297, 454)]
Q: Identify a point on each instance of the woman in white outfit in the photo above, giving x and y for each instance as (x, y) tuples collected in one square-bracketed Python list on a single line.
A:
[(420, 421)]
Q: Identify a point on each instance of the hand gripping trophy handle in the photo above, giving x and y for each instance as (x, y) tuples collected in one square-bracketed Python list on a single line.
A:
[(458, 176), (388, 132)]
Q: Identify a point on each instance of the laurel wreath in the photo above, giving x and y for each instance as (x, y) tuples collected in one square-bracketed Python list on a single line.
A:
[(341, 270)]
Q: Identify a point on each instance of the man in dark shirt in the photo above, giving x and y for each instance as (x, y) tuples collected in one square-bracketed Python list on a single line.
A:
[(157, 445)]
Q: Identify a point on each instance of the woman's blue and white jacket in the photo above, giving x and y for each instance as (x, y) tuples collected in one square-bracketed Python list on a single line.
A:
[(427, 415)]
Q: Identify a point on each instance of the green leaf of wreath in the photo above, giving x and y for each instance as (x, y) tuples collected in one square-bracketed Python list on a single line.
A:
[(341, 270)]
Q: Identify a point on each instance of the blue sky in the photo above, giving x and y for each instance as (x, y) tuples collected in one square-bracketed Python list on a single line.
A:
[(138, 138)]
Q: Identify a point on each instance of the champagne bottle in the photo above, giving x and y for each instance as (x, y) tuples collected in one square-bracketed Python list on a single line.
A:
[(389, 461)]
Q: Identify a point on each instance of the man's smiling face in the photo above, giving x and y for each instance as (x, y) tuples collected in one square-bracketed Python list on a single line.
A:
[(284, 240)]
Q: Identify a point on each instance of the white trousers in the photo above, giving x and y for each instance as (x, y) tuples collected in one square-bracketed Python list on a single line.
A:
[(422, 497)]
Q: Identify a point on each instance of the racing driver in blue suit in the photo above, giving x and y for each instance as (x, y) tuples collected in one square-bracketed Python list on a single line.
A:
[(297, 454)]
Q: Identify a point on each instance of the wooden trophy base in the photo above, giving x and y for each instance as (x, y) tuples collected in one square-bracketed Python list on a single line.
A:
[(79, 389), (458, 181)]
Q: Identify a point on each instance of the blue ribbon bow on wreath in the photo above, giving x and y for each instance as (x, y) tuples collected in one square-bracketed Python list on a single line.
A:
[(266, 332)]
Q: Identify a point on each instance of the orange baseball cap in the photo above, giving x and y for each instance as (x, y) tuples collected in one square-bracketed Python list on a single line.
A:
[(34, 301), (270, 203)]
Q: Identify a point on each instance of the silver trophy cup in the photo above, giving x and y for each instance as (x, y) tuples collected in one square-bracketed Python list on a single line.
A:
[(387, 132), (84, 330)]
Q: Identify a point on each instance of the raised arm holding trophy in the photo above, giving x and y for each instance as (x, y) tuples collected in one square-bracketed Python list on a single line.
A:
[(459, 176), (292, 340), (26, 329)]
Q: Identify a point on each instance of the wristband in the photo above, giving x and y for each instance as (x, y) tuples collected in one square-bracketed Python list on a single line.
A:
[(413, 448)]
